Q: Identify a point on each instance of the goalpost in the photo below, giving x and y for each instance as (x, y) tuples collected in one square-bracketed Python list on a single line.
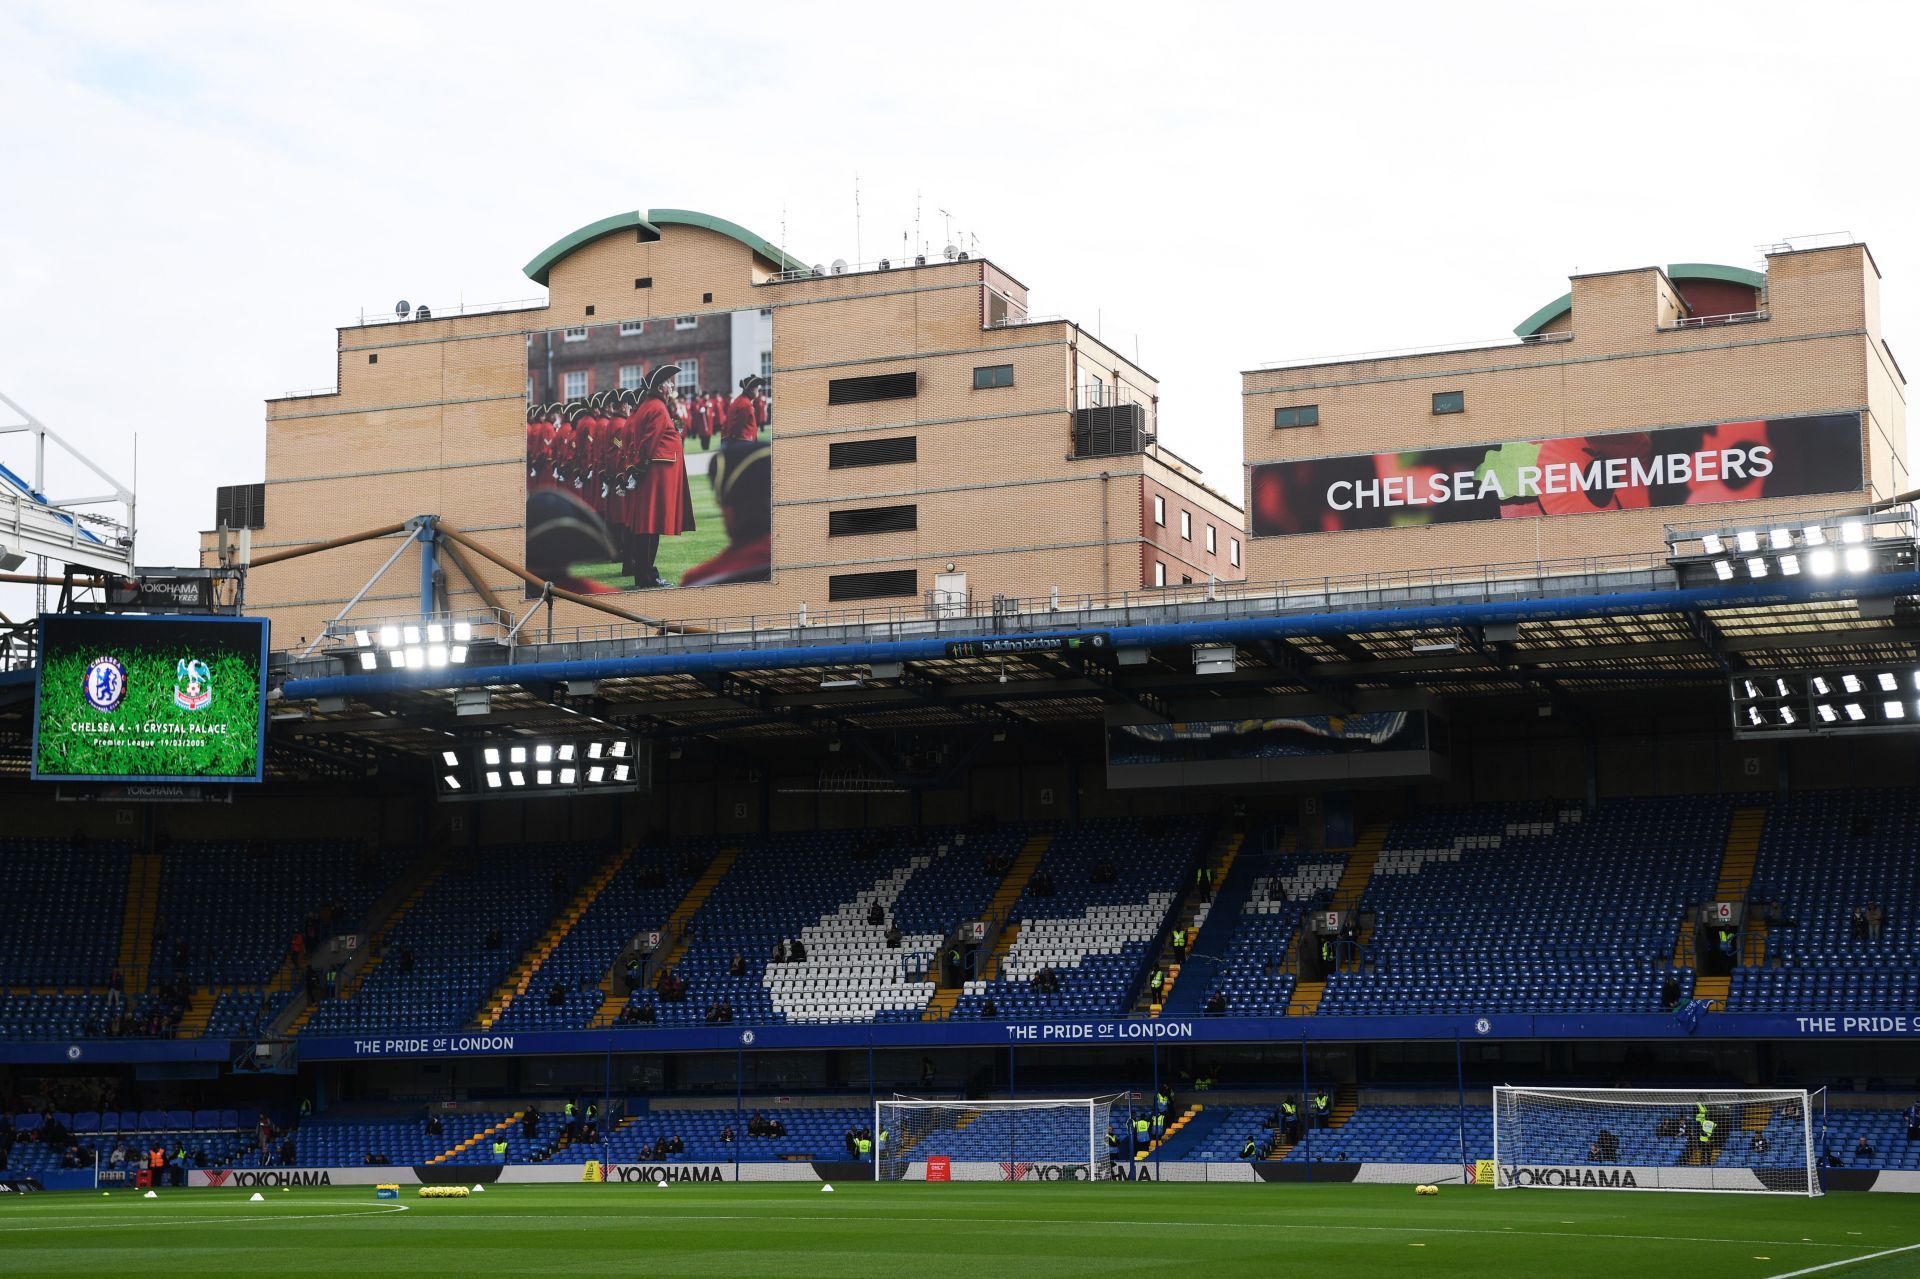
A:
[(1752, 1141), (1051, 1140)]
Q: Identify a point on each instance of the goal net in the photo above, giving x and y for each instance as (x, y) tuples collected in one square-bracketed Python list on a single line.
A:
[(1061, 1140), (1752, 1141)]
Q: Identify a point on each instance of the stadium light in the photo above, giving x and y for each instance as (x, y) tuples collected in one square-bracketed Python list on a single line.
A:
[(1854, 545), (432, 646), (542, 765), (1861, 699)]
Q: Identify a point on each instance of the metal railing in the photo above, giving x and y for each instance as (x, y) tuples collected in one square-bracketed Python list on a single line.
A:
[(427, 312), (1395, 353), (930, 617), (1711, 321)]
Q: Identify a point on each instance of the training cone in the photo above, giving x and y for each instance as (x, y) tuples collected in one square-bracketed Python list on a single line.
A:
[(258, 1198), (826, 1190), (286, 1190), (150, 1195), (479, 1189)]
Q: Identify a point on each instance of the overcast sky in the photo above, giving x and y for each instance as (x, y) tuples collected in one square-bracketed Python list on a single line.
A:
[(192, 196)]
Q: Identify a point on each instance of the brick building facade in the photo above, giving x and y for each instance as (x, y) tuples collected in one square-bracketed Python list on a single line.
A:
[(1013, 496), (1701, 351)]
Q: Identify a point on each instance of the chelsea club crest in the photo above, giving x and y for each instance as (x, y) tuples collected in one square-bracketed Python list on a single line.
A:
[(106, 683), (192, 685)]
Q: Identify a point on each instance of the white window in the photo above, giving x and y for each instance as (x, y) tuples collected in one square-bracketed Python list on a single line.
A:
[(1233, 551), (632, 328), (686, 322), (631, 376), (1213, 542), (576, 334), (1159, 573), (1097, 394), (766, 365), (1159, 510), (573, 386), (689, 379), (1186, 526)]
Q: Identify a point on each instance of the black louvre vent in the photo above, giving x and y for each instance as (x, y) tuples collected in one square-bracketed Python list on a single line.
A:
[(240, 506), (1109, 430), (873, 519), (881, 386), (897, 448), (870, 586)]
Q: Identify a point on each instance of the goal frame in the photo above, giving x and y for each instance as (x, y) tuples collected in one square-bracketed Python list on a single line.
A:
[(1095, 1159), (1626, 1097)]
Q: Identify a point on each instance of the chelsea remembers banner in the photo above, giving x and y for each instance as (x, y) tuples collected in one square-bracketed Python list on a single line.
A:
[(1567, 475)]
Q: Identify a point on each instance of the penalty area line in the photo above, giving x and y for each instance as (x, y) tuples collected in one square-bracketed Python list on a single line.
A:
[(1850, 1261)]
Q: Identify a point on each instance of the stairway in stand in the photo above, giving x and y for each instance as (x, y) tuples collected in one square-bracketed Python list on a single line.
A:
[(193, 1022), (528, 968), (1192, 912), (1008, 896), (614, 998), (137, 921), (1734, 884), (1346, 896), (428, 874), (485, 1134)]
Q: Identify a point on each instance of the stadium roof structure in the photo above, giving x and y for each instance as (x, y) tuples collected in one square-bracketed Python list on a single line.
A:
[(1565, 633)]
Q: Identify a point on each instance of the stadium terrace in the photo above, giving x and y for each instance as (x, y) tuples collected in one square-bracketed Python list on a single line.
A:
[(741, 720)]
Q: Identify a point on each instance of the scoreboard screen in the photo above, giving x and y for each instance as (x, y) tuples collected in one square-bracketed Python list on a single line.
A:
[(170, 699)]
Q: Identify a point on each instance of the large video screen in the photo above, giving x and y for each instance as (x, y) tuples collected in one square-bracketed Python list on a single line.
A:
[(171, 699), (649, 454), (1567, 475)]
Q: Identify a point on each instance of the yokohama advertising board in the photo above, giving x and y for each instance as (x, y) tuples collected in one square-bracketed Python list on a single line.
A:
[(1563, 475)]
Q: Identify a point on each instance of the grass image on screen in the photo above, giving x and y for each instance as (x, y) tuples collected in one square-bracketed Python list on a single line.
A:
[(156, 699)]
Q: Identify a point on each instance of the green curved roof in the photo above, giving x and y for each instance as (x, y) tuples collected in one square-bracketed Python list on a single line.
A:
[(1677, 272), (543, 262)]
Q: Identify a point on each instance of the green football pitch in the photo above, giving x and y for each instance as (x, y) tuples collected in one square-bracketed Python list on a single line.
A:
[(794, 1230)]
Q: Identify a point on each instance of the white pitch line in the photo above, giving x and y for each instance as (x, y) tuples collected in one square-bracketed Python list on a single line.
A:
[(213, 1221), (670, 1217), (1850, 1261)]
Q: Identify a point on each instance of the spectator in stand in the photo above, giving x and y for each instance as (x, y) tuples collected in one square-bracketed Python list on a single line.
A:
[(726, 1135), (777, 1128), (893, 935), (989, 1010), (493, 938), (1758, 1143), (1669, 994), (1876, 921), (529, 1124), (1863, 1151), (1605, 1148), (405, 959), (780, 951), (1913, 1122), (646, 1015), (757, 1124), (737, 966), (556, 995), (875, 915), (1216, 1005), (797, 952), (434, 1126)]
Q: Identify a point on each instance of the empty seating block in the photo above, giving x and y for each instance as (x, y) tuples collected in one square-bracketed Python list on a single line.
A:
[(1822, 855), (1493, 909), (454, 970), (1093, 936)]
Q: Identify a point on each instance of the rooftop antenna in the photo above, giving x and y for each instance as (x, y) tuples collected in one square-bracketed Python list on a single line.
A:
[(856, 219), (916, 223), (783, 231), (946, 226)]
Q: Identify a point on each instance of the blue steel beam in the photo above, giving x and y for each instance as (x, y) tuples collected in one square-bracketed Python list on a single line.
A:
[(1162, 635)]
